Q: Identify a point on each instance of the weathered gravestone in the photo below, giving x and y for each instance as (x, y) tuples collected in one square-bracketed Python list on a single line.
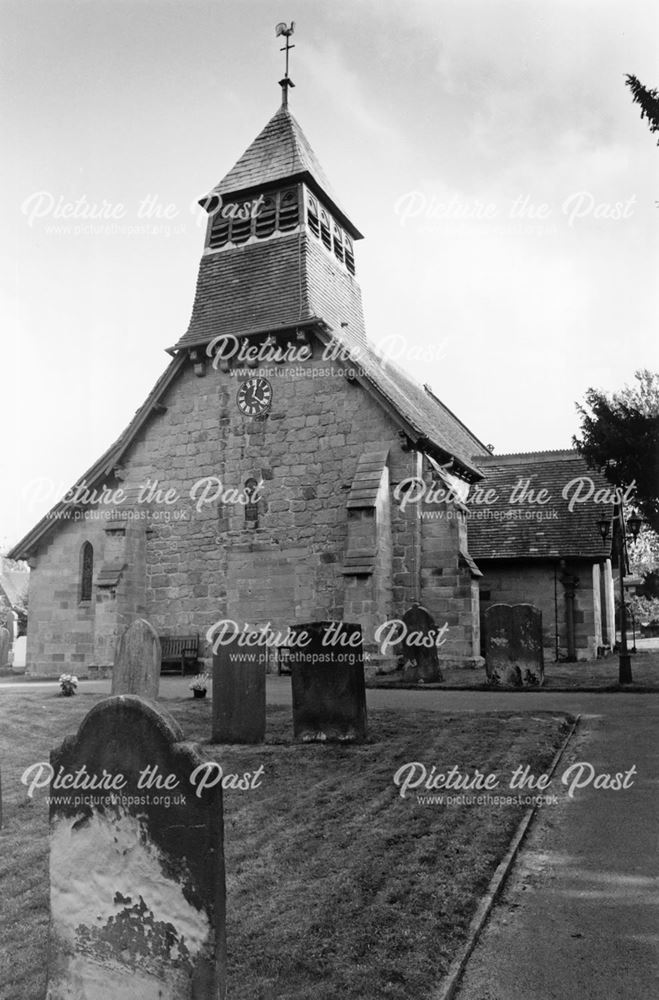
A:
[(137, 661), (137, 895), (417, 649), (239, 694), (513, 644), (5, 643), (327, 680)]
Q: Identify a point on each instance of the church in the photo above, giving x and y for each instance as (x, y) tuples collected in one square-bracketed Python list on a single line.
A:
[(260, 481)]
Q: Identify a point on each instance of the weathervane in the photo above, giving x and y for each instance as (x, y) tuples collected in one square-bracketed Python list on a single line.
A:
[(286, 82)]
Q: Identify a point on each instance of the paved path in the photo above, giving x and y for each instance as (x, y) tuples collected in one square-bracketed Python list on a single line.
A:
[(579, 917)]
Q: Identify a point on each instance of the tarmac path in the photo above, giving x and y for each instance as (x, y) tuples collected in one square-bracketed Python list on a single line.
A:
[(579, 915)]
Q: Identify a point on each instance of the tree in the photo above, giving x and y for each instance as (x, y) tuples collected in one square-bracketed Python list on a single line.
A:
[(620, 436), (648, 100)]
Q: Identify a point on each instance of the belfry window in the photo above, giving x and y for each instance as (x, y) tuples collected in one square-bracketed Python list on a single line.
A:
[(325, 231), (86, 571), (338, 242), (350, 255), (219, 232), (241, 229), (325, 228), (255, 218), (312, 215), (289, 210), (266, 219)]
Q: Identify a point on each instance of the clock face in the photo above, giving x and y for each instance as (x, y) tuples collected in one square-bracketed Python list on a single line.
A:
[(254, 396)]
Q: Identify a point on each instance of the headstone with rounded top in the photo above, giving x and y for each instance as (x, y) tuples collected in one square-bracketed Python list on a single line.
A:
[(137, 661), (418, 648), (5, 643), (513, 645), (137, 890)]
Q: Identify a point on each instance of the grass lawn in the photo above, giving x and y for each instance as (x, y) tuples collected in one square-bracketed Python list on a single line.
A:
[(592, 674), (336, 886)]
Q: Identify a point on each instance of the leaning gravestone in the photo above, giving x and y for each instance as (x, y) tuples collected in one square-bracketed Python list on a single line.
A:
[(137, 895), (327, 681), (420, 662), (239, 694), (137, 661), (5, 643), (513, 644)]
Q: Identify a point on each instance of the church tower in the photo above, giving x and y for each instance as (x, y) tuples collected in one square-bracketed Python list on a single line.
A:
[(279, 249)]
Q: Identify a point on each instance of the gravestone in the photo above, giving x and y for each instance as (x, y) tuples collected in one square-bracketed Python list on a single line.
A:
[(20, 650), (239, 694), (137, 661), (420, 662), (327, 681), (5, 643), (513, 645), (137, 894)]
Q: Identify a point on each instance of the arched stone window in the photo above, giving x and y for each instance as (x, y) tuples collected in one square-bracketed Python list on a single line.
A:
[(86, 571)]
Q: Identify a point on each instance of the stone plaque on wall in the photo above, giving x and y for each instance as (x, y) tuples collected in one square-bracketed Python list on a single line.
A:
[(137, 897)]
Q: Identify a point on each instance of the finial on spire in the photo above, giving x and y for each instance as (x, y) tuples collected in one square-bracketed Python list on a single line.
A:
[(286, 82)]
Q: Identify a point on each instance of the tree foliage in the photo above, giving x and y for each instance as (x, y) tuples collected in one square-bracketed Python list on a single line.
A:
[(648, 100), (620, 436)]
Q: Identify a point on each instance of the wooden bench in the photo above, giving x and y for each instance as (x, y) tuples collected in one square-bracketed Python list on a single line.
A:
[(179, 652)]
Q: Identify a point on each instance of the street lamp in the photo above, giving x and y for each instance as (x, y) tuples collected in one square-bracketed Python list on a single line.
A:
[(634, 524)]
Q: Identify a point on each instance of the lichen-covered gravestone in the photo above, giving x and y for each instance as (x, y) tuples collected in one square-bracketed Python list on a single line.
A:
[(513, 645), (418, 649), (239, 694), (327, 681), (137, 661), (137, 896), (5, 643)]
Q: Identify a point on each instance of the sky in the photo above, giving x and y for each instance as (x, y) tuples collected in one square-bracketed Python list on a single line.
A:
[(489, 151)]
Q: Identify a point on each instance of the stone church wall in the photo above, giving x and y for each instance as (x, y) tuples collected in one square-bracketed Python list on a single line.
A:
[(195, 563), (533, 583)]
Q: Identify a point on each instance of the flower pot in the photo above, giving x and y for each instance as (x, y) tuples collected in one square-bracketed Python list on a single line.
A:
[(199, 694)]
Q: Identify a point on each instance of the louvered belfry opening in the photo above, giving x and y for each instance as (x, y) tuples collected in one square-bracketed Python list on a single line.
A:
[(259, 217), (242, 218)]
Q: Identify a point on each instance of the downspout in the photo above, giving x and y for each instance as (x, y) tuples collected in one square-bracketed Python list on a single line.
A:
[(556, 611), (416, 548)]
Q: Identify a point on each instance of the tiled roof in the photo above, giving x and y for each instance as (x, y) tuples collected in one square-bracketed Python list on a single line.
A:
[(280, 152), (271, 284), (528, 529), (248, 288), (424, 412)]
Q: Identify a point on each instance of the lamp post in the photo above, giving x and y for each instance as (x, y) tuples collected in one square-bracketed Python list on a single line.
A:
[(634, 525)]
